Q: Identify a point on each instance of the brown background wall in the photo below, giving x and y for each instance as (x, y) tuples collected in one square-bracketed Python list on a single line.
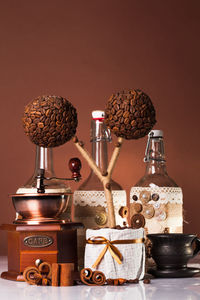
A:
[(85, 50)]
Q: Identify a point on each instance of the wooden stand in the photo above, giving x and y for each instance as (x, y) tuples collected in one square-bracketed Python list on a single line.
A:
[(52, 243)]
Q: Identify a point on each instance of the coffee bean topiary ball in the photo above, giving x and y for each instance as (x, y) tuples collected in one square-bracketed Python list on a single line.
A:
[(50, 121), (130, 114)]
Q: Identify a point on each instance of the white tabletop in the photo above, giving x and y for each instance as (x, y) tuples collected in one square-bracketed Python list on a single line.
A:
[(159, 289)]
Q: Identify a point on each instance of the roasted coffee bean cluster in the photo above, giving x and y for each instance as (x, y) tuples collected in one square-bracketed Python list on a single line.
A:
[(130, 114), (50, 121)]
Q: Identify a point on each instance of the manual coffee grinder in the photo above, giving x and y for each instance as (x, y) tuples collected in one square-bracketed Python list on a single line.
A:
[(41, 231)]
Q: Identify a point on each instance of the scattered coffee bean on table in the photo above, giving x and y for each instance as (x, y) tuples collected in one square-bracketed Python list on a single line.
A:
[(147, 281), (134, 281)]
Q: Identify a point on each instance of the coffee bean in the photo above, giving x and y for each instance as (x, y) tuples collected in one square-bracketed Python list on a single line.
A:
[(116, 107), (137, 114), (117, 227), (132, 110), (40, 125), (109, 280), (112, 111), (53, 117), (133, 123), (51, 139), (115, 129), (146, 281), (51, 129), (47, 121), (126, 121), (139, 125), (134, 281), (112, 124), (58, 123), (122, 127), (121, 120), (119, 113)]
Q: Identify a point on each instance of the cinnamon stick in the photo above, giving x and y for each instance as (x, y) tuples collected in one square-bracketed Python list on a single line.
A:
[(45, 269), (55, 274), (86, 276), (66, 274), (32, 275), (98, 278), (90, 278)]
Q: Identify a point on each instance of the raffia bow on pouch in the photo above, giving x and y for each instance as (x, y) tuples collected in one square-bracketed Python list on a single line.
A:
[(114, 251)]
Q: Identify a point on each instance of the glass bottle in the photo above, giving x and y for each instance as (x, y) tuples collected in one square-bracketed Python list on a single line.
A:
[(100, 136), (158, 197), (44, 166), (90, 207)]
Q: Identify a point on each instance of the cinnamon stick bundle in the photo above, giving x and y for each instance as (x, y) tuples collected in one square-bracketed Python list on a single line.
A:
[(62, 274)]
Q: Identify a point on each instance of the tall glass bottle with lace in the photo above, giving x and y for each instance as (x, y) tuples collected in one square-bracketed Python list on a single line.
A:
[(156, 201), (90, 206)]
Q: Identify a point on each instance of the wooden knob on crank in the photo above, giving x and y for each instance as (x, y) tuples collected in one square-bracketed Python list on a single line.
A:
[(75, 166)]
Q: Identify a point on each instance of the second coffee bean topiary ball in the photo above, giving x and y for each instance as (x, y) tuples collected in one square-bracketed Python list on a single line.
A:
[(130, 114)]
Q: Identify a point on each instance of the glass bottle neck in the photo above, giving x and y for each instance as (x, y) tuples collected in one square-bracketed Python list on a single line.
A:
[(155, 156), (155, 167), (99, 138)]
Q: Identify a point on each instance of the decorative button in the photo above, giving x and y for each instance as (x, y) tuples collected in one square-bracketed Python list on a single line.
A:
[(137, 207), (161, 216), (145, 196), (166, 230), (101, 218), (134, 197), (155, 197), (137, 221), (148, 211), (156, 205), (123, 212)]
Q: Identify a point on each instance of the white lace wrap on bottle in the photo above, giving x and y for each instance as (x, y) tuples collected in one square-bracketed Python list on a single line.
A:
[(166, 194), (97, 198)]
